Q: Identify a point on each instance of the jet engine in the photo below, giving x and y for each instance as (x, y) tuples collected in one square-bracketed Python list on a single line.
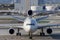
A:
[(11, 31), (30, 13), (49, 30)]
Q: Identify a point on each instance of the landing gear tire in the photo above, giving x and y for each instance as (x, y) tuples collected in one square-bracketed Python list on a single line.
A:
[(30, 37), (42, 34), (18, 34)]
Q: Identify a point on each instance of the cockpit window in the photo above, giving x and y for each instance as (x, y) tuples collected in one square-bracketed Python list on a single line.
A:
[(30, 24)]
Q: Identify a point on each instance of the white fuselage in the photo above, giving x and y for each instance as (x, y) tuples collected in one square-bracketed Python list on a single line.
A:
[(30, 25)]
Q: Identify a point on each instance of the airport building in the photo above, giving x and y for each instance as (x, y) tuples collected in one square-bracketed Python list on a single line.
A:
[(22, 6), (25, 5)]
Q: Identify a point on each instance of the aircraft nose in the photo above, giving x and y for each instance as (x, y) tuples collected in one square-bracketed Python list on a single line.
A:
[(27, 28)]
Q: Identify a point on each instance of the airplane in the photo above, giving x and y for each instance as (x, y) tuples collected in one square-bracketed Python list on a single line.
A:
[(30, 25)]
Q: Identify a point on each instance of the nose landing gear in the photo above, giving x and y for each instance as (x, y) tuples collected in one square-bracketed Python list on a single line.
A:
[(30, 35)]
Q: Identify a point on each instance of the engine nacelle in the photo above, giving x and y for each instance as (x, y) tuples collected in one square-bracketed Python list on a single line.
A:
[(30, 12), (49, 30), (11, 31)]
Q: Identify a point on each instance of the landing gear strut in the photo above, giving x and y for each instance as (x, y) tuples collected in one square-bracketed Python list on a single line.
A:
[(42, 33), (30, 35), (18, 33)]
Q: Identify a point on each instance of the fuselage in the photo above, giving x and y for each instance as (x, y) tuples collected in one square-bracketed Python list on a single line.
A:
[(30, 25)]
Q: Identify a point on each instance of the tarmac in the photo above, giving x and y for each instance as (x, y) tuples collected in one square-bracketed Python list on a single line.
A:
[(4, 35), (36, 37)]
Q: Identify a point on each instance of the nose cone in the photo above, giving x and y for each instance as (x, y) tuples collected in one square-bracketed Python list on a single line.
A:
[(30, 24), (30, 12)]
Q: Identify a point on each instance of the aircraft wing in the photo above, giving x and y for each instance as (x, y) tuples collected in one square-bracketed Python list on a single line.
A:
[(41, 18), (18, 18), (48, 25), (11, 26), (49, 12), (45, 12)]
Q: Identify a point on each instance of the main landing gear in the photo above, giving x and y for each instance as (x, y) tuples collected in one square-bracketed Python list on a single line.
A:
[(30, 33), (18, 33), (42, 33)]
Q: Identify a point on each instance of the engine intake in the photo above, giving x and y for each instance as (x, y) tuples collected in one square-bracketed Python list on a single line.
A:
[(11, 31), (49, 30), (30, 12)]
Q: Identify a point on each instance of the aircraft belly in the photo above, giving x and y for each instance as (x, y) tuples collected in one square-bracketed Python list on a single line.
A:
[(27, 28), (33, 29), (30, 28)]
